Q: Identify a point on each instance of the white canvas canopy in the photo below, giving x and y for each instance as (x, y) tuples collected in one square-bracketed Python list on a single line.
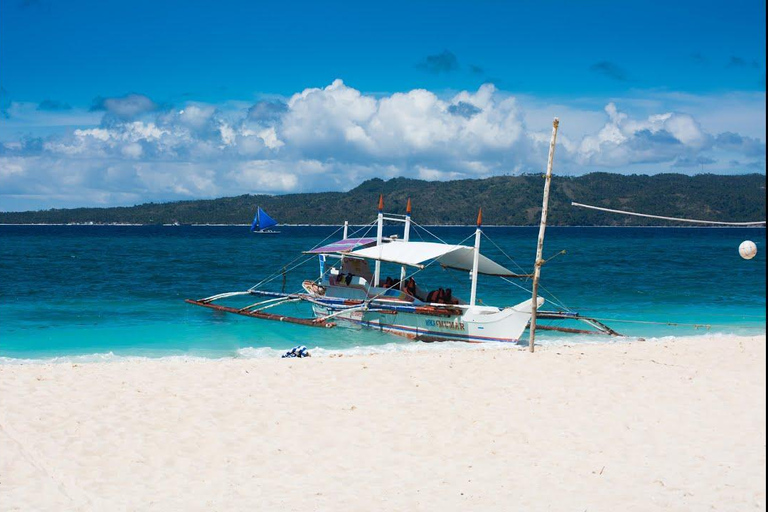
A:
[(415, 254)]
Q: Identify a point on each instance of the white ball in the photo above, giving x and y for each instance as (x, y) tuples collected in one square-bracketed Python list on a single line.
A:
[(748, 249)]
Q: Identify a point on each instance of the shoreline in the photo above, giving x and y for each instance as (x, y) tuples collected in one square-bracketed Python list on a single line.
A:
[(624, 426), (393, 348)]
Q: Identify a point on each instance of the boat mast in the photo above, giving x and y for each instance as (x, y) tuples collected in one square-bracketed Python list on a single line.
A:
[(406, 237), (258, 218), (476, 260), (379, 233), (542, 230), (322, 256)]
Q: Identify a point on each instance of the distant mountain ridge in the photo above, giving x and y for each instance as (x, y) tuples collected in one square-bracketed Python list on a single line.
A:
[(507, 200)]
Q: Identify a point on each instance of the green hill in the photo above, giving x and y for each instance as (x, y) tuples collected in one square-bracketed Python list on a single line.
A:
[(511, 200)]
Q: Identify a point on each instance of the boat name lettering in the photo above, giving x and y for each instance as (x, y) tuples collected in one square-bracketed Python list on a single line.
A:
[(446, 324)]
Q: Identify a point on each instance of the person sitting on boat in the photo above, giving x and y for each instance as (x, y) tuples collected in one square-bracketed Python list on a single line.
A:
[(448, 298), (388, 282), (410, 287), (436, 296)]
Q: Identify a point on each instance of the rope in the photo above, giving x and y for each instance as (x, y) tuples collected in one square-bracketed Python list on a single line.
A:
[(677, 219), (650, 322), (505, 254), (408, 276), (283, 271), (434, 235), (276, 274), (553, 298), (729, 315)]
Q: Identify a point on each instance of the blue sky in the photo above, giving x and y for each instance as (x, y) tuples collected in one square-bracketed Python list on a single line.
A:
[(117, 103)]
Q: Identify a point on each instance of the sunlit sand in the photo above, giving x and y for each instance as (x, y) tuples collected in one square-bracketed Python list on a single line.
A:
[(675, 425)]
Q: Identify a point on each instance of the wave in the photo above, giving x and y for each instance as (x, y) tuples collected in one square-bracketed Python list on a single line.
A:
[(359, 350)]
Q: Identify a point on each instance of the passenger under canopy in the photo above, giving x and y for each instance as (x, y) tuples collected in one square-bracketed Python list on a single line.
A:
[(344, 246), (415, 254)]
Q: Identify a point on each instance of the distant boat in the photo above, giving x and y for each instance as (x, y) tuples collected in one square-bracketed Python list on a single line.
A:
[(262, 223)]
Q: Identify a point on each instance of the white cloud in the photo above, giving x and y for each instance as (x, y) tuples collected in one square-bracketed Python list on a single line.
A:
[(196, 116), (132, 150), (272, 176), (334, 137), (624, 141)]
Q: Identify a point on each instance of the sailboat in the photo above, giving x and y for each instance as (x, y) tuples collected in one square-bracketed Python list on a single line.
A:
[(262, 223)]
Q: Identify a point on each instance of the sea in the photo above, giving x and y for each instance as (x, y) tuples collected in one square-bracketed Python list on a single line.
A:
[(103, 292)]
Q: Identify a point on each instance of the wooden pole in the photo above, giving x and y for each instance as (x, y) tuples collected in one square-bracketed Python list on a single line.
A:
[(542, 230), (476, 258), (406, 238), (379, 233)]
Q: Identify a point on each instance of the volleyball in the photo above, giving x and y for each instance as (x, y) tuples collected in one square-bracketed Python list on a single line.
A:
[(748, 249)]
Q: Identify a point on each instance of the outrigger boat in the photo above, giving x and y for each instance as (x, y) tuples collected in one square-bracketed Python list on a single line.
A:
[(262, 223), (349, 292)]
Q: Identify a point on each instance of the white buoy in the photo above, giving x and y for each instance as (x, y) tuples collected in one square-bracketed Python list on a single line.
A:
[(748, 249)]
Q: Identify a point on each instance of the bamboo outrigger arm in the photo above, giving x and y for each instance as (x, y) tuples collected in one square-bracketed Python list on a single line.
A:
[(599, 327), (265, 316)]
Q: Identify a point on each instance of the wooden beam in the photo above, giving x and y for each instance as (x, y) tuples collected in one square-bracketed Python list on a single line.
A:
[(311, 322)]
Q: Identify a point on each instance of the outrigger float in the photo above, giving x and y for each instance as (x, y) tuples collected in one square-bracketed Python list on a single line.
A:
[(348, 292)]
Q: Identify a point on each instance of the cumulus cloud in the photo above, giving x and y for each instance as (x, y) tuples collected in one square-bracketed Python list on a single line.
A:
[(332, 138), (625, 141)]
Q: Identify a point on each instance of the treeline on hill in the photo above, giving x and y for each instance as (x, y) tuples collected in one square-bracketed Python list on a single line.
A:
[(509, 200)]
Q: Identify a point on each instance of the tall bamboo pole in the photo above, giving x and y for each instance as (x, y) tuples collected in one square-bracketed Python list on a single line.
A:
[(379, 233), (406, 238), (542, 230), (476, 258)]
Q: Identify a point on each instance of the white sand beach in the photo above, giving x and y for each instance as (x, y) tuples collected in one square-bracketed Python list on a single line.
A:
[(675, 425)]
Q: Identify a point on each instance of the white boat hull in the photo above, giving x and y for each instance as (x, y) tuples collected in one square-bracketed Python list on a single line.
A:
[(474, 325)]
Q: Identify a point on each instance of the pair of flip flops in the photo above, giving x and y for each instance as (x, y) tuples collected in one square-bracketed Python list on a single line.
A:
[(297, 351)]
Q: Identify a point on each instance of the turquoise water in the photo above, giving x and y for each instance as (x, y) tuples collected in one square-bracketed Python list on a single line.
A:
[(81, 290)]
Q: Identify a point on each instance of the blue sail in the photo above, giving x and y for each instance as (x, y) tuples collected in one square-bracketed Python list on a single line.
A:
[(263, 220), (255, 224)]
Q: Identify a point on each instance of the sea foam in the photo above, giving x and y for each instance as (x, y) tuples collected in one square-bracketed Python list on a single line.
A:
[(360, 350)]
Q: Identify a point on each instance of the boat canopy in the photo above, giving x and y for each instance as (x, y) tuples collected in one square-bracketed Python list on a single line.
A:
[(415, 254), (346, 245)]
